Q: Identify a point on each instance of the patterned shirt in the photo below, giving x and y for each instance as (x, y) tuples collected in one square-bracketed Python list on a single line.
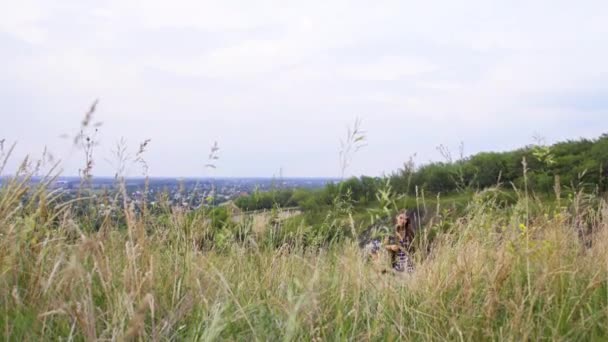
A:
[(401, 260)]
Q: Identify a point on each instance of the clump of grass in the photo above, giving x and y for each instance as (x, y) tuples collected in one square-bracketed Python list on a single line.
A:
[(354, 141)]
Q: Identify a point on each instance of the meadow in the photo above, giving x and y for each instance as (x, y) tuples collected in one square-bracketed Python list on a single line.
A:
[(533, 267), (527, 271)]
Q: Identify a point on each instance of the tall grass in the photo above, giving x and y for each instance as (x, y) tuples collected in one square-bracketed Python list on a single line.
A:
[(520, 272), (514, 267)]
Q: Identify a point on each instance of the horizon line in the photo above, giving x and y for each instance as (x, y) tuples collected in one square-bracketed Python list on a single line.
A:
[(204, 177)]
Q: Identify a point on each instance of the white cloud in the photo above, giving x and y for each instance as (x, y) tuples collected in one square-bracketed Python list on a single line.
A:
[(388, 68), (20, 19), (190, 71)]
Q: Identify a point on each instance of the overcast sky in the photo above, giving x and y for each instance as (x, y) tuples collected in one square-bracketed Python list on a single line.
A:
[(276, 83)]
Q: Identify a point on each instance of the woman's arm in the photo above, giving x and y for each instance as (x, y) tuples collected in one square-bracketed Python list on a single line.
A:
[(393, 248), (390, 245)]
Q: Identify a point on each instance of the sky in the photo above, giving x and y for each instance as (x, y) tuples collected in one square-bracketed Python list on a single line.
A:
[(277, 83)]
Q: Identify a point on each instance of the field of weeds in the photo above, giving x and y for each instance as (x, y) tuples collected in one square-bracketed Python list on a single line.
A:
[(527, 271)]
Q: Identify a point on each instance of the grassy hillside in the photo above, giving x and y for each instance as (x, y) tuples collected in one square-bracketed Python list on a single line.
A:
[(573, 165), (528, 270)]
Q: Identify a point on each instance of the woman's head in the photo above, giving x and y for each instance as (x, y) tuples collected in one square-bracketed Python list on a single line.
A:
[(403, 226), (402, 220)]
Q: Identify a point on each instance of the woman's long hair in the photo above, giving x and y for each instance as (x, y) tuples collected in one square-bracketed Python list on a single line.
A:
[(408, 228)]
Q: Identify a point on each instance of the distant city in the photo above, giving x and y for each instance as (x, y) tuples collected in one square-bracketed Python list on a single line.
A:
[(186, 192)]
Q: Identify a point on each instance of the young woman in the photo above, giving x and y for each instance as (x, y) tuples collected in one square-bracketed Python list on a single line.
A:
[(399, 245)]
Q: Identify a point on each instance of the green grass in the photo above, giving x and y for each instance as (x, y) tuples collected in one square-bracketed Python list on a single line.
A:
[(492, 271)]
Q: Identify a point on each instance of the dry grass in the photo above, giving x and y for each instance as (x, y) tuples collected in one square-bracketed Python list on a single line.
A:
[(492, 277), (70, 271)]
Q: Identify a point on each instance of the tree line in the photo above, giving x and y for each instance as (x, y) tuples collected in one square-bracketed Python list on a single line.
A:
[(570, 164)]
